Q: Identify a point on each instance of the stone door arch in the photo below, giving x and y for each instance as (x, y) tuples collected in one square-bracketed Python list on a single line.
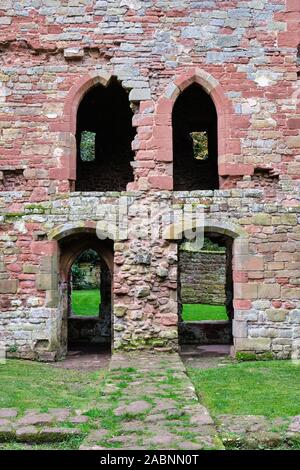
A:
[(72, 241), (240, 259)]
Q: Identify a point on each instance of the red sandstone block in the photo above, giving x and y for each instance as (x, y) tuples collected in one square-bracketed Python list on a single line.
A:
[(163, 120), (38, 195), (64, 187), (144, 133), (59, 173), (240, 276), (27, 285), (145, 105), (161, 144), (282, 280), (169, 319), (14, 267), (15, 207), (164, 156), (161, 182), (254, 263), (162, 132), (234, 146), (132, 186), (288, 39), (164, 106), (289, 305), (242, 304), (60, 126), (43, 247), (145, 155), (241, 122), (292, 5), (293, 123), (238, 169)]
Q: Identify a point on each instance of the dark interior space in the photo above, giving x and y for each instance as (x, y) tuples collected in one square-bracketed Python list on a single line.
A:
[(104, 135), (194, 119)]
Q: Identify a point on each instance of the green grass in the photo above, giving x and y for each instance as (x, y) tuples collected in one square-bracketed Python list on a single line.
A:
[(268, 388), (196, 312), (26, 384), (86, 302)]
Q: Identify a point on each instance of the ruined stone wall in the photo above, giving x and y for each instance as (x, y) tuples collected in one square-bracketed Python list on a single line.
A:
[(244, 55), (90, 275), (202, 277)]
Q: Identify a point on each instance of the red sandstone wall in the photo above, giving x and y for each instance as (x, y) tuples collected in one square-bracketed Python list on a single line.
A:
[(244, 55)]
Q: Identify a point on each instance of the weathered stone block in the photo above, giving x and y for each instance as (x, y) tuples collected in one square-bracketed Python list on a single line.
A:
[(295, 316), (46, 281), (290, 293), (268, 291), (252, 344), (30, 268), (276, 314), (9, 286), (120, 310), (239, 329), (246, 291), (73, 53)]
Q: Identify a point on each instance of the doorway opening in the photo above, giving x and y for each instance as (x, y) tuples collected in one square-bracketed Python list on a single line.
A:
[(86, 292), (205, 295)]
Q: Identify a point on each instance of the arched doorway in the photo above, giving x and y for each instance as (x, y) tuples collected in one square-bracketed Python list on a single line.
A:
[(93, 325)]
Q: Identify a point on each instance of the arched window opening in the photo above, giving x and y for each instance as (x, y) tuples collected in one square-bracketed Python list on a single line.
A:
[(195, 146), (205, 292), (104, 135)]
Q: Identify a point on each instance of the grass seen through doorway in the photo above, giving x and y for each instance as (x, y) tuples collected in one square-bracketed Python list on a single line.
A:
[(86, 302)]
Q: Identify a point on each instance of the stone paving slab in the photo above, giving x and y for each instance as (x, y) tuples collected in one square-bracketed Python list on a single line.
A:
[(153, 405), (253, 432), (32, 426)]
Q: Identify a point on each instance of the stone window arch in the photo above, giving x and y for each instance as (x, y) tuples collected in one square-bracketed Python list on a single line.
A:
[(97, 123), (228, 146)]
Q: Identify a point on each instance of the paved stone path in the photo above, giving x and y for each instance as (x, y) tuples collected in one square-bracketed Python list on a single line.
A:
[(150, 403), (58, 424)]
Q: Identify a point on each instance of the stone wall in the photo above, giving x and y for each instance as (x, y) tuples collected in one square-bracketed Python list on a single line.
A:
[(90, 274), (244, 55), (202, 277)]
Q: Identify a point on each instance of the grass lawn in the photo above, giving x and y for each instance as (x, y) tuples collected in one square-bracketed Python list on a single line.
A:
[(26, 384), (85, 302), (194, 312), (270, 388)]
